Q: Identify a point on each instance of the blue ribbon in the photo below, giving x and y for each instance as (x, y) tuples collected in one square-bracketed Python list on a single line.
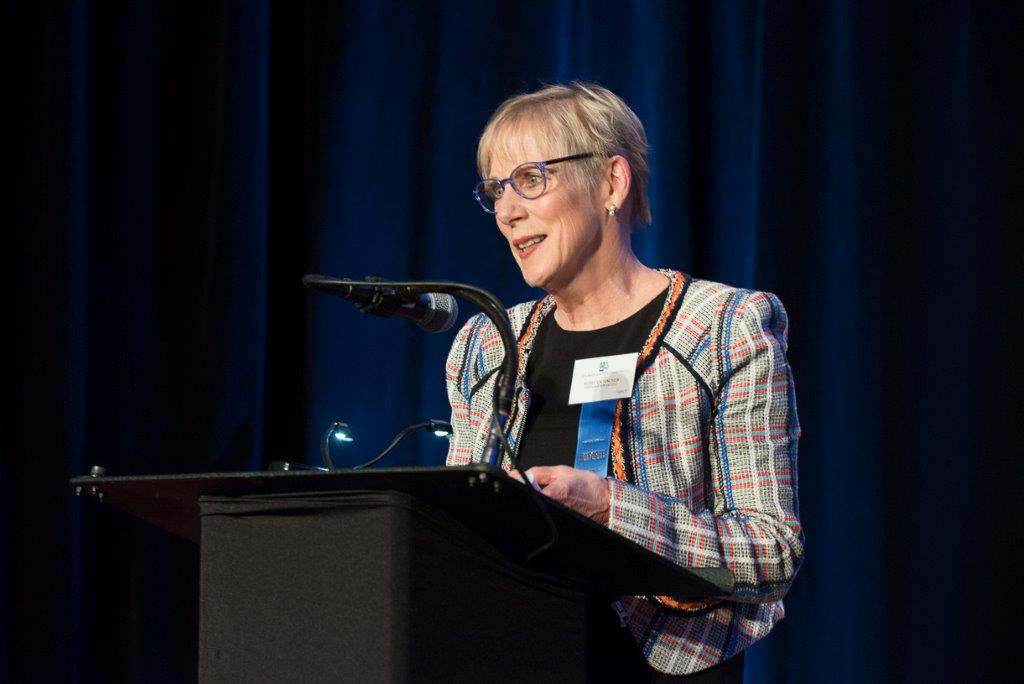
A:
[(594, 439)]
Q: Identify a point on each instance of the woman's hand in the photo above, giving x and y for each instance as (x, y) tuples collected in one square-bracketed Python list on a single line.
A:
[(580, 490)]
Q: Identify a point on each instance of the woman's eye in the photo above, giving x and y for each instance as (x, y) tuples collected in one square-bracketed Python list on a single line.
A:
[(531, 181)]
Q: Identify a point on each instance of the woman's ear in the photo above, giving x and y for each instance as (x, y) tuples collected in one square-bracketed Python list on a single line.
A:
[(618, 179)]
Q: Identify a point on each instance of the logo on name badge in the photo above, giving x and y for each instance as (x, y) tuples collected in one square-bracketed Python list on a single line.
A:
[(602, 367)]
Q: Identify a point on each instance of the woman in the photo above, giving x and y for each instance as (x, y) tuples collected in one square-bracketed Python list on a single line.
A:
[(701, 453)]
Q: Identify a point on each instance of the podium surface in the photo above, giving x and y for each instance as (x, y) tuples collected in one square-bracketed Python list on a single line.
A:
[(405, 574), (501, 510)]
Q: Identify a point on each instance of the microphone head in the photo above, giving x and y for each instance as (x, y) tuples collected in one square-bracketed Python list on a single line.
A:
[(441, 312)]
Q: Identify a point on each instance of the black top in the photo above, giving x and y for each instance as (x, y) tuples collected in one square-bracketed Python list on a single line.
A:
[(549, 435)]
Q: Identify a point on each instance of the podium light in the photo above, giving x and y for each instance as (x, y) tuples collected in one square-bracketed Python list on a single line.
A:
[(342, 433), (441, 428)]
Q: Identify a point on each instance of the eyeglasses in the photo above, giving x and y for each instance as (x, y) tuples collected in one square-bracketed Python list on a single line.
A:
[(529, 180)]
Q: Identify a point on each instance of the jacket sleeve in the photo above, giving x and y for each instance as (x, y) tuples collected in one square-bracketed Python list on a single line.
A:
[(751, 523), (461, 374)]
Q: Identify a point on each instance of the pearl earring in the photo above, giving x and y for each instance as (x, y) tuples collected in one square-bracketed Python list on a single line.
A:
[(612, 210)]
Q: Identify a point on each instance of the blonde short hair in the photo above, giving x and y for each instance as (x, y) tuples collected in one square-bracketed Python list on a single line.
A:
[(574, 119)]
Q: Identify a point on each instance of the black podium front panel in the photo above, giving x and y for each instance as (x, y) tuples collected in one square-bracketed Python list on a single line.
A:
[(374, 587)]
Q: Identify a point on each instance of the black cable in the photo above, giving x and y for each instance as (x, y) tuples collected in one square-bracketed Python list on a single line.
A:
[(498, 431), (433, 425), (394, 442), (542, 505), (538, 498)]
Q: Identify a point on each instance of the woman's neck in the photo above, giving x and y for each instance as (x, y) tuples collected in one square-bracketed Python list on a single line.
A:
[(605, 294)]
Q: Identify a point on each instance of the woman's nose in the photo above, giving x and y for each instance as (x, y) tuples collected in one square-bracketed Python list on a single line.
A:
[(509, 208)]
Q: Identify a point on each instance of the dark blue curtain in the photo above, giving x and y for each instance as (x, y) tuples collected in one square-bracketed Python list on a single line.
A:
[(173, 171)]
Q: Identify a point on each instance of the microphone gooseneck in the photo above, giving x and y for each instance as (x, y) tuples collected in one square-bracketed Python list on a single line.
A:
[(387, 298), (375, 295)]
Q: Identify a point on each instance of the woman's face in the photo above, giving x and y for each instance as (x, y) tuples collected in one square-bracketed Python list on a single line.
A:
[(553, 236)]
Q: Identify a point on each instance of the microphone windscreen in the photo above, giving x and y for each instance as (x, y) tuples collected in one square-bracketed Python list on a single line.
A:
[(441, 312)]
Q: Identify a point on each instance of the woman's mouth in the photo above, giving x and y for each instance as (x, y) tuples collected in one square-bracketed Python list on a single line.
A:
[(526, 246)]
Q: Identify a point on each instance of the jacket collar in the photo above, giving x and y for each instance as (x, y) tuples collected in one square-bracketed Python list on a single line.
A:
[(678, 283)]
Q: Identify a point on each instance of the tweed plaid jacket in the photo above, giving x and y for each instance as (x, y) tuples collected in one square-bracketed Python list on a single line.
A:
[(704, 456)]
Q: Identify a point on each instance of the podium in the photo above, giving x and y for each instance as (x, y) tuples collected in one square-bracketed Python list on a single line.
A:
[(424, 574)]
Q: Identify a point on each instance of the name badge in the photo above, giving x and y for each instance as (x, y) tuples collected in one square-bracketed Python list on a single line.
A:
[(597, 384), (602, 378)]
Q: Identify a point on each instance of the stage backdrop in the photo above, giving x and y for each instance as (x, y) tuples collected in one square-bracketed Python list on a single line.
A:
[(175, 169)]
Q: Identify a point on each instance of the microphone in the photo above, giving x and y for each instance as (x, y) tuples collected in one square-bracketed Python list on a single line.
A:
[(432, 311)]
